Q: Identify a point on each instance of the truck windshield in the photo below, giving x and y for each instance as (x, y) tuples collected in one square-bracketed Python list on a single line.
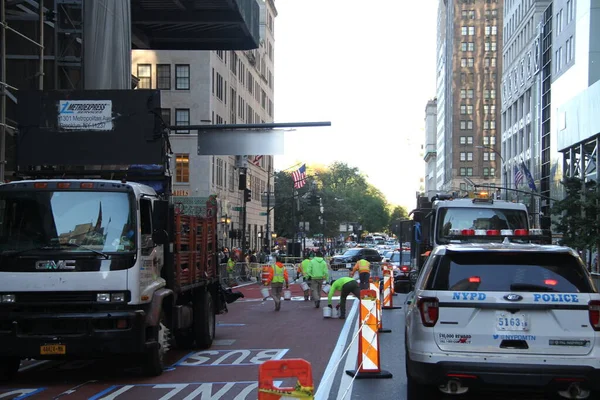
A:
[(101, 221), (478, 218)]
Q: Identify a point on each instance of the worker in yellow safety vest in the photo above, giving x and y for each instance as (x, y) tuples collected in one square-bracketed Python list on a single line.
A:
[(277, 276), (363, 267), (230, 267), (302, 268)]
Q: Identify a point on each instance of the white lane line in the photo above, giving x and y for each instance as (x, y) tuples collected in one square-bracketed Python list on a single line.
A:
[(35, 364), (329, 374), (351, 362)]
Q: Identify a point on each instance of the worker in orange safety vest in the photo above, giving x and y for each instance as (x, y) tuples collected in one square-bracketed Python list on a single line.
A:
[(277, 276), (363, 267)]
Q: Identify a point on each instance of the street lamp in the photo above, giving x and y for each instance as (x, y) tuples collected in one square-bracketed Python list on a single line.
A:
[(504, 167), (225, 220)]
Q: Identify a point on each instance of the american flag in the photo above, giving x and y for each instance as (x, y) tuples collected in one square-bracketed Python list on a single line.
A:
[(299, 177), (518, 177), (256, 160)]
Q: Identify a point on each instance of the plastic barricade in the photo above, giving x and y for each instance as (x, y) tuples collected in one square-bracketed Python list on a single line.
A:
[(291, 368)]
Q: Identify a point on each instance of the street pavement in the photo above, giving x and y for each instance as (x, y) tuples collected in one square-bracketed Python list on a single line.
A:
[(251, 333)]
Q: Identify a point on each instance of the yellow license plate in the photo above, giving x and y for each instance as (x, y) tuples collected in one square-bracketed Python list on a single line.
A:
[(53, 349)]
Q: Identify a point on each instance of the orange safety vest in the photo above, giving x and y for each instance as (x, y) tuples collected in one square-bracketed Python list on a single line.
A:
[(363, 266)]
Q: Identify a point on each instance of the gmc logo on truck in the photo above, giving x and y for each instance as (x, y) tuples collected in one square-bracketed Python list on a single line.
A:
[(52, 265)]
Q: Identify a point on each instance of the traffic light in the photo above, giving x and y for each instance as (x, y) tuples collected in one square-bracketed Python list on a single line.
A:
[(247, 195), (314, 200)]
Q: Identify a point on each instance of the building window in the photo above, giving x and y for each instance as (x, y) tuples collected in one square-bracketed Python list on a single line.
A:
[(220, 173), (144, 72), (163, 76), (470, 171), (463, 140), (569, 49), (165, 113), (182, 117), (486, 171), (182, 168), (559, 22), (219, 86), (492, 140), (463, 171), (490, 46), (570, 10), (182, 77)]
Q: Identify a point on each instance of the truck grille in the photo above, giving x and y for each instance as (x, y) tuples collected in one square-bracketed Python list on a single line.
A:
[(55, 297)]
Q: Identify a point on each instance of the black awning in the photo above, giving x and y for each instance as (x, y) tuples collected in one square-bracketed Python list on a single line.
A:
[(195, 24)]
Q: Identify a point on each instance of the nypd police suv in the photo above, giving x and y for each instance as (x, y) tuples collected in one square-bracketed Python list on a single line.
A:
[(507, 316)]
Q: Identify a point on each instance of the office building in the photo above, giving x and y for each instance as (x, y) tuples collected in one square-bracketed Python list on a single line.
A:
[(217, 87), (521, 96), (469, 66)]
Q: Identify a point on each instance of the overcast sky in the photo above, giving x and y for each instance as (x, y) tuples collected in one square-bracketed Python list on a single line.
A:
[(369, 68)]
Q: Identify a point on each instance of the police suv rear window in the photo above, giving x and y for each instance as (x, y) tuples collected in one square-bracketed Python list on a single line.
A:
[(514, 271)]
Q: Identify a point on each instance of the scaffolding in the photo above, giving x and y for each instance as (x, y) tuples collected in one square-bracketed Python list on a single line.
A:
[(28, 22)]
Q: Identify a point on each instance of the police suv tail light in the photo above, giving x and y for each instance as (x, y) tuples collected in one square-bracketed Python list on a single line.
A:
[(521, 232), (594, 314), (429, 308)]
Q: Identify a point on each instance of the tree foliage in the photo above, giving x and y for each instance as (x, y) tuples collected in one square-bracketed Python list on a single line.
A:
[(345, 196), (577, 214)]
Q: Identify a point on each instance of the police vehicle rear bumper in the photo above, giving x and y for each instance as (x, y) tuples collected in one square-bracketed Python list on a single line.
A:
[(507, 375), (94, 334)]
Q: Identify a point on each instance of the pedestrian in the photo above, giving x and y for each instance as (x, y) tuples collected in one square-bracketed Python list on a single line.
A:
[(318, 271), (302, 268), (278, 275), (346, 285), (364, 273)]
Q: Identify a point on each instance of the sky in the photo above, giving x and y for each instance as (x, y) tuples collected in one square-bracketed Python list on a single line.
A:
[(369, 68)]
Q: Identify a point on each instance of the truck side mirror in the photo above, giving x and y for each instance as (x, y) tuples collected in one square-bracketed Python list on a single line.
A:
[(160, 215)]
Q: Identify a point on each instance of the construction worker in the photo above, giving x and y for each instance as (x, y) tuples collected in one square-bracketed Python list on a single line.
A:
[(302, 267), (278, 275), (363, 267), (317, 272), (230, 269), (346, 285)]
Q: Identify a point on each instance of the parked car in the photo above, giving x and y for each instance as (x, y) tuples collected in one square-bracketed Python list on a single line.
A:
[(503, 317)]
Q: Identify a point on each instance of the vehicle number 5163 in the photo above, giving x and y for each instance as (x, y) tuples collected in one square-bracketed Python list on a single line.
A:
[(511, 322)]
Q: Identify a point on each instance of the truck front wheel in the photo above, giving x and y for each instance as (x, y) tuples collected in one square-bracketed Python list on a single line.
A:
[(9, 366), (204, 319), (154, 359)]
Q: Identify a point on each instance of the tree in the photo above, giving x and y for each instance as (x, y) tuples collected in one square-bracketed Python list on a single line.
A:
[(577, 214), (345, 195), (399, 212)]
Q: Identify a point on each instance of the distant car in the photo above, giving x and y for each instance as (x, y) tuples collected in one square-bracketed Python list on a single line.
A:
[(401, 263), (353, 255), (504, 316)]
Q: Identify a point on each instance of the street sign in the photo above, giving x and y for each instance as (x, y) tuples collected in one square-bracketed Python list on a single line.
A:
[(270, 201), (263, 214), (238, 208)]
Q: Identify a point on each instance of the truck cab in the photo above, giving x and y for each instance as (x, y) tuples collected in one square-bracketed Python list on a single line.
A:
[(446, 219)]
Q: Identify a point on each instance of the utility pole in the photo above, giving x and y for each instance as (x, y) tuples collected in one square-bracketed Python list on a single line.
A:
[(268, 241), (243, 172)]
